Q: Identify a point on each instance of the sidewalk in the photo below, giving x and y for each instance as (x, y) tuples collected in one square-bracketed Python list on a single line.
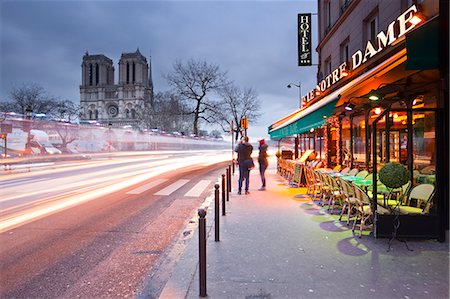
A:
[(274, 244)]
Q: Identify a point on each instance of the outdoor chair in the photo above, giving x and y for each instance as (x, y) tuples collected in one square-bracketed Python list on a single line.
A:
[(327, 188), (387, 200), (337, 168), (319, 165), (363, 209), (428, 170), (363, 174), (336, 193), (345, 170), (349, 200), (353, 172), (423, 194)]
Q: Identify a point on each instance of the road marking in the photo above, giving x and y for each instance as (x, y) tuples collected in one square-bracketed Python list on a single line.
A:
[(172, 188), (20, 182), (147, 186), (198, 189)]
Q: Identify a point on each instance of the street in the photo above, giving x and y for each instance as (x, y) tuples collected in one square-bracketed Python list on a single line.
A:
[(96, 228)]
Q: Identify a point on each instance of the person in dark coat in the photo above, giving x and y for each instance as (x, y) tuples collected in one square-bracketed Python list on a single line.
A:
[(244, 150), (263, 162)]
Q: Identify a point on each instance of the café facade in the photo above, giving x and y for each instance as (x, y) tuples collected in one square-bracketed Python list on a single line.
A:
[(385, 101)]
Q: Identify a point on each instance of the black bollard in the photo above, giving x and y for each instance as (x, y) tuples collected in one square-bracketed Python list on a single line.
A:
[(227, 178), (223, 195), (216, 213), (202, 251)]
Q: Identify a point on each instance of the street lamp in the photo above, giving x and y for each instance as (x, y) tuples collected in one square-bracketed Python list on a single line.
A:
[(299, 91), (28, 115), (109, 141)]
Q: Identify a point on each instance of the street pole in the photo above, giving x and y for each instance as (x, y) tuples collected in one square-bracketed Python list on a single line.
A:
[(232, 143), (109, 141)]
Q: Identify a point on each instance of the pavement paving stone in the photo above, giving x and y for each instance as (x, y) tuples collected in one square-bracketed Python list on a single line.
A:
[(274, 244)]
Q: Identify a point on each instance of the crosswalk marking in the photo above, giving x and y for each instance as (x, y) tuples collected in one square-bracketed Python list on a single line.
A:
[(197, 190), (147, 186), (172, 188)]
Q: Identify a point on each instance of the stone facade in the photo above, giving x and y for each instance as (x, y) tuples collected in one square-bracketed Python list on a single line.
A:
[(119, 104)]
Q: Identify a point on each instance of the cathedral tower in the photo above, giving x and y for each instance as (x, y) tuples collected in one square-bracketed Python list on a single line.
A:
[(119, 104)]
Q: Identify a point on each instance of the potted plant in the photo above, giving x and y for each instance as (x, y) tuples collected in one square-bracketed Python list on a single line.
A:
[(394, 175)]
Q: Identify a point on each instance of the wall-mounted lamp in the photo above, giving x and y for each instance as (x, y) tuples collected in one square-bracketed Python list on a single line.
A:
[(417, 19)]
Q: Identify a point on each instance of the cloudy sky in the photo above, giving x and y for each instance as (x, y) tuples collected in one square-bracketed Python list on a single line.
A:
[(254, 41)]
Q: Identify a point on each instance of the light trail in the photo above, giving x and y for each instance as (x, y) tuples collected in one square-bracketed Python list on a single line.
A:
[(51, 206)]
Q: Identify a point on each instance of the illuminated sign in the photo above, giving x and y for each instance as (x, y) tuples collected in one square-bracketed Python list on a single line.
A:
[(304, 39), (405, 22)]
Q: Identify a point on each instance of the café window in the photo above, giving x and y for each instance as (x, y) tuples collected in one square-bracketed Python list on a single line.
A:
[(345, 139), (359, 140), (424, 146), (319, 143)]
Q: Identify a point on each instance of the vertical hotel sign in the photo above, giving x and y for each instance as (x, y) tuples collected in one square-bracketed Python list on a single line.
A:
[(304, 40)]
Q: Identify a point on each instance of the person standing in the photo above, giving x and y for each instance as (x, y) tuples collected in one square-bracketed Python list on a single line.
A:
[(244, 150), (263, 162)]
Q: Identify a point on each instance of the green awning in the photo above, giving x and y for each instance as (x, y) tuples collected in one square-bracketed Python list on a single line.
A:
[(422, 47), (310, 121)]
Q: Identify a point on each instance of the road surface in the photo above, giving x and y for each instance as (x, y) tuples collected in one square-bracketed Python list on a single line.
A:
[(98, 228)]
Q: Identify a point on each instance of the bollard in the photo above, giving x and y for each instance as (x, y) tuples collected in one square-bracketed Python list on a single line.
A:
[(227, 178), (202, 251), (216, 213), (223, 195)]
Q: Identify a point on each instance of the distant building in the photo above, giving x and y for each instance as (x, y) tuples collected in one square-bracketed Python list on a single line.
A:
[(119, 104)]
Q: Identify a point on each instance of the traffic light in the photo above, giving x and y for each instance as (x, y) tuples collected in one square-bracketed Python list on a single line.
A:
[(3, 136), (244, 123)]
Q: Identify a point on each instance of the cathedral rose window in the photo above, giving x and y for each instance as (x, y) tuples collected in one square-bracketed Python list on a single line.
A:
[(113, 110)]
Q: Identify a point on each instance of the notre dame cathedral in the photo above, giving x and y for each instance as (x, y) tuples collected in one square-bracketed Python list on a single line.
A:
[(119, 104)]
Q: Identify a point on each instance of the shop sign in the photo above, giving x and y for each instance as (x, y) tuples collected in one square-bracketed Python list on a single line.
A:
[(384, 39), (304, 39)]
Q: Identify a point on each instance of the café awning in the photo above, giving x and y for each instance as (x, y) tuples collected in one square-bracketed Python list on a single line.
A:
[(301, 121), (310, 118)]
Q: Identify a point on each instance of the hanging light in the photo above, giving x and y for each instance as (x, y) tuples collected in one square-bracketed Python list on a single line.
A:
[(373, 96), (349, 106), (378, 110)]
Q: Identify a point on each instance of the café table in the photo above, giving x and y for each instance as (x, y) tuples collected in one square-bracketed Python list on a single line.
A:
[(364, 184), (351, 178), (336, 174)]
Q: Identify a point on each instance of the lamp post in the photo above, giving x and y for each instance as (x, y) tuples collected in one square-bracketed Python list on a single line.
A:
[(296, 140), (299, 91), (28, 116), (109, 141)]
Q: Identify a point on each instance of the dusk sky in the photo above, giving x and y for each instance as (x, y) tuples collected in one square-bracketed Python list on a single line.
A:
[(254, 41)]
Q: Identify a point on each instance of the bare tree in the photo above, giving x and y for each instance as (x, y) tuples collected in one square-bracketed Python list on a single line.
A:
[(67, 110), (170, 113), (237, 103), (194, 81), (30, 96)]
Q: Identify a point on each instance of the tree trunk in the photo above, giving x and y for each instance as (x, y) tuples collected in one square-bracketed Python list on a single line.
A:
[(196, 117)]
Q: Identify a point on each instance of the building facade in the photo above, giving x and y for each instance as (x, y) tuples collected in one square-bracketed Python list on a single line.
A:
[(382, 96), (124, 103)]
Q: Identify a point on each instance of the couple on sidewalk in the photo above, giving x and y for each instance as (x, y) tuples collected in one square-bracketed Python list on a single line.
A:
[(245, 162)]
